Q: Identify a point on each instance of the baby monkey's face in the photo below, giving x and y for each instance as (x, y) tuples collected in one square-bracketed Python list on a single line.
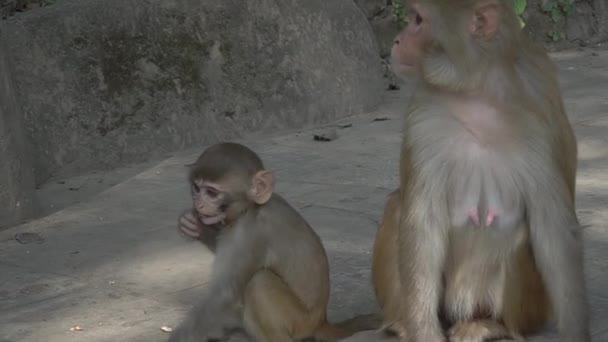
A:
[(210, 201)]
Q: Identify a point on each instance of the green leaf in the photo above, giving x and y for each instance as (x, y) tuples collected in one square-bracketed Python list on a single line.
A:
[(557, 37), (554, 35), (556, 14), (549, 6), (521, 22), (520, 6), (569, 8)]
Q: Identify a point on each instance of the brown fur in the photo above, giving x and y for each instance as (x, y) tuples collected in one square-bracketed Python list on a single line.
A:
[(483, 231), (385, 272), (270, 274)]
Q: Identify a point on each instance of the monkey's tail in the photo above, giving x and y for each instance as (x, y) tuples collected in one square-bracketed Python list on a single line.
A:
[(330, 332)]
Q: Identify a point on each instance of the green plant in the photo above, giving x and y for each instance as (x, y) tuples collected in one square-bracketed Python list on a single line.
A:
[(555, 36), (557, 11), (399, 13), (520, 7)]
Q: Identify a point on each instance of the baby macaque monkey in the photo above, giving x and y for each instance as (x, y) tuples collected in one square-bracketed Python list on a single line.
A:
[(270, 277)]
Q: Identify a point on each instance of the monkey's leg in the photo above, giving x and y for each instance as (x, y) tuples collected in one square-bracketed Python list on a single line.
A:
[(272, 311), (385, 273), (523, 309), (526, 302)]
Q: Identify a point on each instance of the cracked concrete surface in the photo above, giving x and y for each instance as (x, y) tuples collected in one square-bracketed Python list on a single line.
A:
[(113, 264)]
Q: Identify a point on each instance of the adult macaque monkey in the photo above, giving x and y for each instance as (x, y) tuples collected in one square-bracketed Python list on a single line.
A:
[(483, 234), (270, 273)]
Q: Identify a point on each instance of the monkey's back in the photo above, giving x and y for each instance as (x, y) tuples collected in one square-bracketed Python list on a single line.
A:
[(295, 251)]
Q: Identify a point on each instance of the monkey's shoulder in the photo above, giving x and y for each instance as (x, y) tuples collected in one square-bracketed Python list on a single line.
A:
[(288, 236), (278, 213)]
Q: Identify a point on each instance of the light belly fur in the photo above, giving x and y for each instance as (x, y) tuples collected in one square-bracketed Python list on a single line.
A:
[(476, 268)]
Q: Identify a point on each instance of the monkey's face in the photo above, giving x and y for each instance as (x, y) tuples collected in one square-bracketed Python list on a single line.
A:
[(408, 46), (210, 202)]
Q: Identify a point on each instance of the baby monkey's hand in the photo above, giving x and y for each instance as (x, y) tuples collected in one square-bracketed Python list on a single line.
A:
[(191, 226)]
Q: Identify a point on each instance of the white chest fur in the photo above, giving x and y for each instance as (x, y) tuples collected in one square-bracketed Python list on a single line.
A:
[(467, 145)]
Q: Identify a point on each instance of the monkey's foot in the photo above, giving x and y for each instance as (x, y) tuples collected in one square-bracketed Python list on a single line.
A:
[(480, 331), (394, 329)]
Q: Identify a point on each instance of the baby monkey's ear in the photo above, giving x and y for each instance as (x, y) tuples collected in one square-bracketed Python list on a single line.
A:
[(262, 186)]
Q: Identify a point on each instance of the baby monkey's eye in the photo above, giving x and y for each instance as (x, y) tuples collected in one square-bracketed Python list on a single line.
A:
[(212, 192), (418, 19)]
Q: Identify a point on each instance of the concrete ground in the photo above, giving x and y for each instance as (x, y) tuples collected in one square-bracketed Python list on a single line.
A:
[(112, 263)]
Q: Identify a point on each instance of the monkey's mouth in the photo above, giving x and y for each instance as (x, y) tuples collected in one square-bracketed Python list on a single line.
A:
[(211, 219), (402, 68)]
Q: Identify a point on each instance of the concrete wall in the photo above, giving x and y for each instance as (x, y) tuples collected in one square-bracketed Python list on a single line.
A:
[(16, 177), (103, 83)]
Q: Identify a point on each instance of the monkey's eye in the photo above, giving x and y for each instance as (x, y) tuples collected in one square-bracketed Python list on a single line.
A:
[(418, 19), (196, 188), (212, 192)]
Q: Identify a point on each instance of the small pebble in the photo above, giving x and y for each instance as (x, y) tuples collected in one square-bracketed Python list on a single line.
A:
[(27, 238)]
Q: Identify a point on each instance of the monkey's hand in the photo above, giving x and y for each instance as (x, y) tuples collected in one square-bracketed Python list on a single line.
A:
[(190, 226)]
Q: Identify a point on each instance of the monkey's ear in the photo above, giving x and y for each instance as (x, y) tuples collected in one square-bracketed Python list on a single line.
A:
[(263, 186), (486, 19)]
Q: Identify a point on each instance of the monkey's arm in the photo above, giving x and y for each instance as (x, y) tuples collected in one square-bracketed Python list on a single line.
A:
[(422, 250), (208, 237), (556, 241), (237, 259)]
